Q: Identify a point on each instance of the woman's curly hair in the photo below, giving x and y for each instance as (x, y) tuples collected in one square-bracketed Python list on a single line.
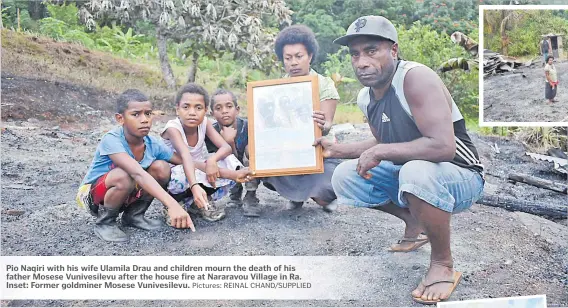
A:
[(296, 34)]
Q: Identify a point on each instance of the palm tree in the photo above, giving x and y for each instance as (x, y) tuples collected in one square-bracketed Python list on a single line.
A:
[(497, 22)]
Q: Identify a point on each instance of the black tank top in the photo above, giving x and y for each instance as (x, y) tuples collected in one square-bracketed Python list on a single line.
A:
[(391, 118)]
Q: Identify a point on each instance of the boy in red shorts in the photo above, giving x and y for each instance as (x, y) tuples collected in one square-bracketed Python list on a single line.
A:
[(128, 171)]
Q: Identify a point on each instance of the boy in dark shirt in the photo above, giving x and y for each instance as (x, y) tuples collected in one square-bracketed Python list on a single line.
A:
[(234, 130)]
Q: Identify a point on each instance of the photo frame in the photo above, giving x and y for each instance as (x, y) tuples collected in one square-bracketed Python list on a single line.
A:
[(281, 129)]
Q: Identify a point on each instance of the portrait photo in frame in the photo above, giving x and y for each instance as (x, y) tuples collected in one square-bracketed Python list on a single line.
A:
[(281, 128)]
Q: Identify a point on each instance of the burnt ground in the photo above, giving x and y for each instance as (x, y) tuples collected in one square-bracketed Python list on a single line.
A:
[(45, 157), (513, 98)]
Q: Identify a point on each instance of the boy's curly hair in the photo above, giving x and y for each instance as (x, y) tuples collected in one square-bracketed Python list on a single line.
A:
[(130, 95), (221, 92)]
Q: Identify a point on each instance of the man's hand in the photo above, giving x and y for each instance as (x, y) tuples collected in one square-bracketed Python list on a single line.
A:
[(327, 147), (200, 197), (180, 218), (212, 172), (367, 161), (243, 175), (229, 134), (319, 118)]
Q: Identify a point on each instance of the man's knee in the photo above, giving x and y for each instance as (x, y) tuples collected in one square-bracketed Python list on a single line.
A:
[(120, 179), (342, 174), (417, 172), (160, 170)]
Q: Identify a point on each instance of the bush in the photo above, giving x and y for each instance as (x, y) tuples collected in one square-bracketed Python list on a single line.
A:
[(338, 66), (68, 13), (78, 36), (424, 45), (53, 28)]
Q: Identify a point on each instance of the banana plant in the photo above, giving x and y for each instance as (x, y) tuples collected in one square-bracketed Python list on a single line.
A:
[(465, 64), (127, 40)]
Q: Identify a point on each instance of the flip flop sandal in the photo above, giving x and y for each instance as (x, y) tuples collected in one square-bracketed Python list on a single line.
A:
[(418, 242), (455, 281)]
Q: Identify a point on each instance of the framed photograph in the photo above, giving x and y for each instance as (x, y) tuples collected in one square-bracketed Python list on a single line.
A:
[(281, 128)]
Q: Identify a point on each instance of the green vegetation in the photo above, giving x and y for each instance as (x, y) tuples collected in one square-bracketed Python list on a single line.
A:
[(536, 139), (424, 28), (518, 33), (119, 53)]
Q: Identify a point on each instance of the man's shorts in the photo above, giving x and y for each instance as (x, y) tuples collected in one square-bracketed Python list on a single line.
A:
[(443, 185), (92, 195)]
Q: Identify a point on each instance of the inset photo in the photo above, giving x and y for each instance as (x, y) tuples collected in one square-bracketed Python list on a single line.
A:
[(536, 301), (525, 65)]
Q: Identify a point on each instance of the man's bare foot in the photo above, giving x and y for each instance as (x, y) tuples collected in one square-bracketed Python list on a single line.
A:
[(428, 290)]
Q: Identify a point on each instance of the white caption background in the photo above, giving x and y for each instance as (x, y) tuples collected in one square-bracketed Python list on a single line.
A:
[(165, 277)]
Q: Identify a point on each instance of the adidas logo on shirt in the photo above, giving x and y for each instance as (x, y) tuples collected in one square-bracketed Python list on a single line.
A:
[(385, 118)]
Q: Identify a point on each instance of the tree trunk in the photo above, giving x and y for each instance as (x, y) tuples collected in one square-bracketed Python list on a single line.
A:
[(36, 9), (164, 61), (538, 182), (512, 204), (193, 67), (505, 45), (502, 32)]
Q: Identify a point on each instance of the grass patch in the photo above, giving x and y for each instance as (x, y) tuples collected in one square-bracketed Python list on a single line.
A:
[(21, 43), (528, 58), (348, 113)]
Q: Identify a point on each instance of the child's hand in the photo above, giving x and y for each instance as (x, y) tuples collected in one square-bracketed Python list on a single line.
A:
[(212, 172), (200, 197), (243, 175), (180, 218), (229, 134)]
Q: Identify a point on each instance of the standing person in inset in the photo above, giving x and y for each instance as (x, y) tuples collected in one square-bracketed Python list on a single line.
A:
[(546, 48), (551, 84), (420, 165)]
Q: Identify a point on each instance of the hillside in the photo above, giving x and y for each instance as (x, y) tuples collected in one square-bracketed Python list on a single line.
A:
[(70, 79)]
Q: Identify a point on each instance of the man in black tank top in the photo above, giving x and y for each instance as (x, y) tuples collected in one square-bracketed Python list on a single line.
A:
[(421, 165)]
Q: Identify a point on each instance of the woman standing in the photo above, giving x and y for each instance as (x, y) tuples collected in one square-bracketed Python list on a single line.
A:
[(296, 47), (551, 80)]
